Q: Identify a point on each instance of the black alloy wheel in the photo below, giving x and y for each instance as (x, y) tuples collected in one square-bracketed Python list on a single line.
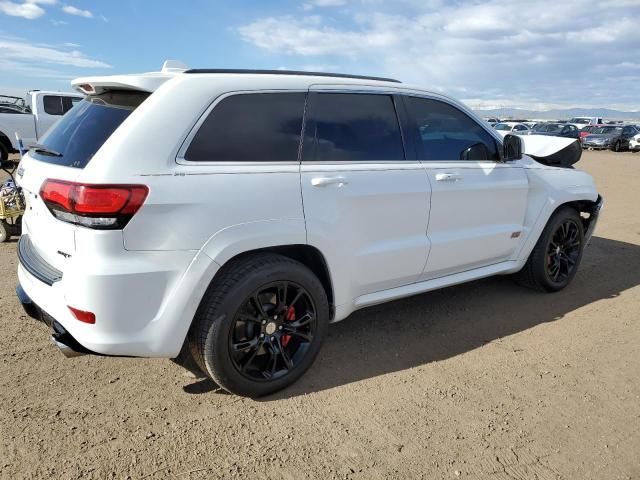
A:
[(260, 324), (554, 261), (272, 331), (563, 251)]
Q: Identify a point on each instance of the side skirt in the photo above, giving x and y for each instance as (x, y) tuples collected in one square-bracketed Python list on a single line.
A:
[(436, 283)]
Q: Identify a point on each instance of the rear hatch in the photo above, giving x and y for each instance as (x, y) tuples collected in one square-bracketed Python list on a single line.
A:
[(62, 154)]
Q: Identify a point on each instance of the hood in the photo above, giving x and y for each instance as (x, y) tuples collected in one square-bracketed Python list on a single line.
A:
[(603, 136), (552, 151)]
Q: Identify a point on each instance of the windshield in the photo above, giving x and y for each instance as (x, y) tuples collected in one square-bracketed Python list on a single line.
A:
[(84, 129), (502, 126), (608, 130)]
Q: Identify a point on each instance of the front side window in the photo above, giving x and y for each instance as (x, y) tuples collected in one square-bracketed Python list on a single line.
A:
[(447, 133), (347, 127), (53, 105), (252, 127)]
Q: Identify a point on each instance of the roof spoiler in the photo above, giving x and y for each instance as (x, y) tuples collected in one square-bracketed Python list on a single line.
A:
[(144, 82)]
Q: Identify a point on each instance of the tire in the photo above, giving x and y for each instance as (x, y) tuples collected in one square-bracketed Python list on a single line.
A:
[(617, 146), (550, 267), (4, 232), (4, 152), (252, 335)]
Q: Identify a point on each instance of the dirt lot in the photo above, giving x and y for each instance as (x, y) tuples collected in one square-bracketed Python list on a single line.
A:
[(484, 380)]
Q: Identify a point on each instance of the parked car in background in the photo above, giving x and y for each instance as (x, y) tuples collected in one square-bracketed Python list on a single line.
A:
[(31, 119), (510, 127), (588, 130), (611, 137), (217, 217), (580, 122), (492, 120), (555, 129), (634, 142)]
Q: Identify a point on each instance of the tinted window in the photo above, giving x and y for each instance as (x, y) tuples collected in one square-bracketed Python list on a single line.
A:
[(352, 127), (69, 102), (256, 127), (81, 133), (446, 133), (52, 104)]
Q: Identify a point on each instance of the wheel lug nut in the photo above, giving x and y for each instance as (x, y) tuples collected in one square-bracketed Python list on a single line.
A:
[(262, 335), (280, 327), (264, 322), (275, 317), (273, 338)]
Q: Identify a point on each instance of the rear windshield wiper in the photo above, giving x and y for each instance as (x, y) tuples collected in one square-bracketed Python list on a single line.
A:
[(45, 150)]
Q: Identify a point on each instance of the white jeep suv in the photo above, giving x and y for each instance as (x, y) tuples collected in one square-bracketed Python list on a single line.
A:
[(224, 218)]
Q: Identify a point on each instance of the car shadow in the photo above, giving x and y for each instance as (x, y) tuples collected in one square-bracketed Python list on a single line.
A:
[(444, 323), (441, 324)]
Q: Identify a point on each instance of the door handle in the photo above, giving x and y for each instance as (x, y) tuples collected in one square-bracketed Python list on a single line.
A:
[(324, 181), (448, 177)]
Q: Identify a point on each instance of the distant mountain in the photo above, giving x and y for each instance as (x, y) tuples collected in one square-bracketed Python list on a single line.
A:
[(559, 114)]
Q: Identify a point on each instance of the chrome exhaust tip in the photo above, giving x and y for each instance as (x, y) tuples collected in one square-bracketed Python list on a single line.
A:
[(65, 349)]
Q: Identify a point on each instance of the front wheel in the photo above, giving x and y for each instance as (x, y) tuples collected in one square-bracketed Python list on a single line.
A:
[(4, 231), (261, 325), (617, 146), (555, 259)]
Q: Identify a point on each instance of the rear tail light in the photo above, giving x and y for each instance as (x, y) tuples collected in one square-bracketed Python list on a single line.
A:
[(104, 207)]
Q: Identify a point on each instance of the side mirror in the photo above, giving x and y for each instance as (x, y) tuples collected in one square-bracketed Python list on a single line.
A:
[(477, 151), (511, 148)]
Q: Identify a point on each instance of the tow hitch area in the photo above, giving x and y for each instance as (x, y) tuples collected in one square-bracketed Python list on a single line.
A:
[(62, 339)]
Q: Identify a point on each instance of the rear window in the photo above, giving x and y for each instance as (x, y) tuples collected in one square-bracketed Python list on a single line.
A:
[(252, 127), (77, 136)]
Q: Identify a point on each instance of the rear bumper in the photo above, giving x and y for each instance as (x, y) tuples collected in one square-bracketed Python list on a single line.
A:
[(143, 302)]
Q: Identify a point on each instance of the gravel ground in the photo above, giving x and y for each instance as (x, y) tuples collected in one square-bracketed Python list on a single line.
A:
[(484, 380)]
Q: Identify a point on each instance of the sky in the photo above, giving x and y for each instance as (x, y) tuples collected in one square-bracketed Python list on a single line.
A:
[(491, 54)]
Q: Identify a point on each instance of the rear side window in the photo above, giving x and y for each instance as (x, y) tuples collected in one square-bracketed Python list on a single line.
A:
[(446, 133), (352, 127), (52, 105), (69, 102), (75, 139), (252, 127)]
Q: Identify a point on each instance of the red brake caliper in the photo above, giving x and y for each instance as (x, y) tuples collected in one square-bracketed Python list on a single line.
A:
[(289, 317)]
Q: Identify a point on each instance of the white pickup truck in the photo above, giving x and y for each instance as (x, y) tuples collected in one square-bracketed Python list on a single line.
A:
[(31, 117)]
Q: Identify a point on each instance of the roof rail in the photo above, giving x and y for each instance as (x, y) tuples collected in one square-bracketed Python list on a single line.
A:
[(289, 72)]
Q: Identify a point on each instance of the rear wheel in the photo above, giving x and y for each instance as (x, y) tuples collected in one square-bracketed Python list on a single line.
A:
[(555, 259), (4, 152), (260, 325)]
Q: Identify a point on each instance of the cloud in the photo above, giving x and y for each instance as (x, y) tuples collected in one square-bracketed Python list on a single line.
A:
[(520, 52), (71, 10), (29, 55), (323, 3), (30, 11)]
